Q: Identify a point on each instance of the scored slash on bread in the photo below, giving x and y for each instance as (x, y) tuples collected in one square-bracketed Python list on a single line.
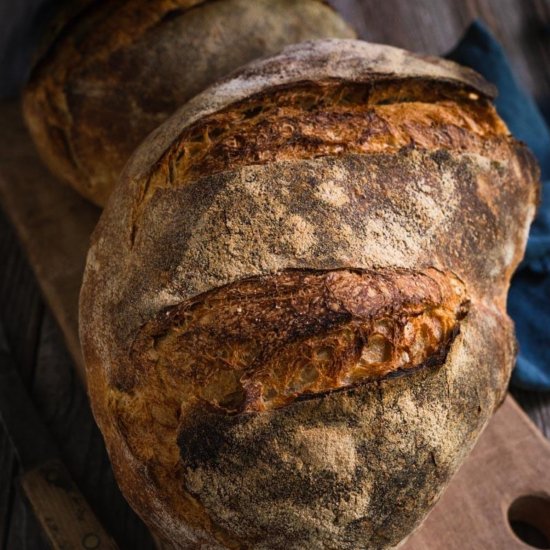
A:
[(287, 240), (295, 334)]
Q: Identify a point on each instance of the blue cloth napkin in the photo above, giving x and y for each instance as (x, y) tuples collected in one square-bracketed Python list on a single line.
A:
[(529, 298)]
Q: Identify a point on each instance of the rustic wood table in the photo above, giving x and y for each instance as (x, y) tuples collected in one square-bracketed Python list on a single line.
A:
[(431, 26)]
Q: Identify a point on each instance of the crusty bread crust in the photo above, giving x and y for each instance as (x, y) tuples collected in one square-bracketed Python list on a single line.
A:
[(426, 225), (120, 68)]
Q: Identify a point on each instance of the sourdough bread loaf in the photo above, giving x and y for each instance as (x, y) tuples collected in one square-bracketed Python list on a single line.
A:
[(121, 67), (293, 312)]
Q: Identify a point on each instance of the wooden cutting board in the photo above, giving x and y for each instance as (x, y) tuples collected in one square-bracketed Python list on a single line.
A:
[(511, 460)]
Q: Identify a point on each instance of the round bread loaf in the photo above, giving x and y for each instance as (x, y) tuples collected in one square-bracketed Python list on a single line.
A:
[(293, 311), (121, 67)]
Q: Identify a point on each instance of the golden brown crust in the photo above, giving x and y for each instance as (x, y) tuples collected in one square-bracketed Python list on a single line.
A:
[(120, 67), (409, 234), (353, 469), (322, 61), (264, 343), (282, 337)]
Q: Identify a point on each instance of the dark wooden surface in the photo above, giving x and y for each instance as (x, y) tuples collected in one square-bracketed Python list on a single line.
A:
[(422, 25), (50, 375)]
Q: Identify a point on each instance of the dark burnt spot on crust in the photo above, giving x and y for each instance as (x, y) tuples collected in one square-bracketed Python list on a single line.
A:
[(441, 157), (205, 437)]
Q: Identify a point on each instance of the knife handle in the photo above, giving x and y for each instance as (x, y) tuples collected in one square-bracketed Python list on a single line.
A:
[(65, 516)]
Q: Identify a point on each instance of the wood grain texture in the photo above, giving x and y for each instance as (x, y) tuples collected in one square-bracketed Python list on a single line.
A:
[(53, 222), (62, 511), (59, 394), (522, 26), (24, 531), (21, 313), (510, 460), (38, 346)]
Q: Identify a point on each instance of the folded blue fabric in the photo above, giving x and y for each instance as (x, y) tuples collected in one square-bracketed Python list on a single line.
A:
[(529, 298)]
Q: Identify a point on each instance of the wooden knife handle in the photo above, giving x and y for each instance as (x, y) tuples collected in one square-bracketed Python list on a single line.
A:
[(65, 516)]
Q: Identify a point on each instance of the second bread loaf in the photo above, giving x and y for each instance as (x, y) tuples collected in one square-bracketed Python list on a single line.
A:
[(119, 68)]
